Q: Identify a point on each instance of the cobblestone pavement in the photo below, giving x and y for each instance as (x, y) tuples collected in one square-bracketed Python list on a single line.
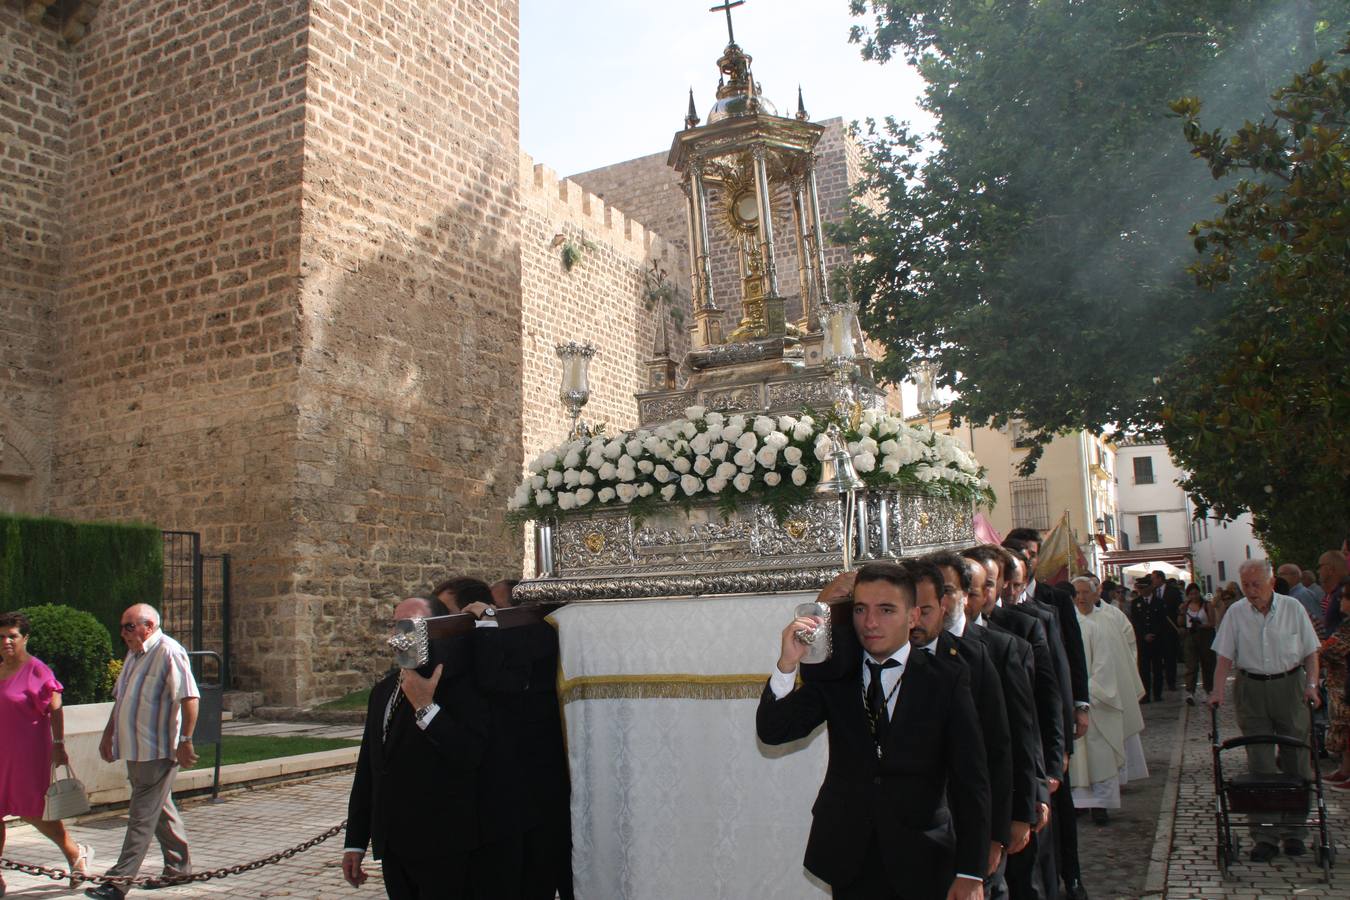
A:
[(1192, 871), (1115, 858), (243, 826)]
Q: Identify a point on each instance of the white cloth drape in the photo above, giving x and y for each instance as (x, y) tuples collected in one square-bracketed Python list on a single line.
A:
[(672, 795)]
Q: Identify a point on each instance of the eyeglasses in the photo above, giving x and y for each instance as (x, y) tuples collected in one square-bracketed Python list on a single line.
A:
[(130, 626)]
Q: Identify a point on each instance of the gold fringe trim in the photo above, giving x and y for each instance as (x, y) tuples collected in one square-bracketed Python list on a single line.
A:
[(661, 687)]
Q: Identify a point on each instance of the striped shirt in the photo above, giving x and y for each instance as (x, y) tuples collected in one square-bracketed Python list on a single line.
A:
[(148, 700)]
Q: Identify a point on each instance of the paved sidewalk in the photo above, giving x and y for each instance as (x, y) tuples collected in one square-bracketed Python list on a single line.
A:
[(1115, 858), (244, 826), (1192, 871)]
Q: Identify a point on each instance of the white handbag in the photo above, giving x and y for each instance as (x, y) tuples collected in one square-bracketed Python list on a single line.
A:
[(66, 797)]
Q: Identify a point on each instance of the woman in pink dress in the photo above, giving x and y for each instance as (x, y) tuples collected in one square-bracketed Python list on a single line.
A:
[(33, 727)]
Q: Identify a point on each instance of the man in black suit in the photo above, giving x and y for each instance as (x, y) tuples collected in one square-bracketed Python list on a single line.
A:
[(904, 808), (415, 779), (1031, 874), (1149, 617), (1172, 598), (941, 631), (529, 818), (1012, 659)]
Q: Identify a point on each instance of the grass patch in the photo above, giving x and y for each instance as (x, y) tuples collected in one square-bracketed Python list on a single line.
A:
[(355, 700), (251, 748)]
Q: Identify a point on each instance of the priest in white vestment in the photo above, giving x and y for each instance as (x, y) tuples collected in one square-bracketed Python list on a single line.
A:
[(1110, 754)]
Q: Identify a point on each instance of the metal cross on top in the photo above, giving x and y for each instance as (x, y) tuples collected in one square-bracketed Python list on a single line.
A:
[(727, 7)]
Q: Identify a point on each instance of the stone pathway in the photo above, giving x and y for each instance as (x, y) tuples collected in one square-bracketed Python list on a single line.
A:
[(243, 826), (1115, 858), (1192, 871)]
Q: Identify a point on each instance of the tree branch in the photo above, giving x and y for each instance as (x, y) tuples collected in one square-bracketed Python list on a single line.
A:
[(1162, 37)]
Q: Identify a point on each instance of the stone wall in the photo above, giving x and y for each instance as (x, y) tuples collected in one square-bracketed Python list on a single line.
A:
[(650, 190), (36, 72), (599, 300), (175, 325), (410, 302)]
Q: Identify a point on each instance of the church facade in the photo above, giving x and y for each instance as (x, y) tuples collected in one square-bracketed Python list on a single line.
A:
[(279, 273)]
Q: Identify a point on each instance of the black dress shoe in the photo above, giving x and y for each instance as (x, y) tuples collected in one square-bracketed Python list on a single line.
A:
[(1293, 847), (1100, 816), (1264, 852), (1074, 890), (103, 892)]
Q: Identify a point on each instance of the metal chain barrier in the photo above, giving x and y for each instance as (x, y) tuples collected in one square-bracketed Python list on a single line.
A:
[(172, 880)]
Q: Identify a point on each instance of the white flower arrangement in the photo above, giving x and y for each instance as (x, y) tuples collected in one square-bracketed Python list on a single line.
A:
[(728, 457)]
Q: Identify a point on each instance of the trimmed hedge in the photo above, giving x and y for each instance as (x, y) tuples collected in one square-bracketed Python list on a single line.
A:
[(101, 568), (77, 648)]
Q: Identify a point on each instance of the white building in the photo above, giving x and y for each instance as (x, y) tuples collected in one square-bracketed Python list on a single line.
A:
[(1154, 510), (1218, 548)]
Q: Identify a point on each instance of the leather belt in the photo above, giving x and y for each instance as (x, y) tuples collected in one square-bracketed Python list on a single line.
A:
[(1257, 677)]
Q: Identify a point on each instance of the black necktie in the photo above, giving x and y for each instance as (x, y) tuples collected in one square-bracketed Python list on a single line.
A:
[(877, 715)]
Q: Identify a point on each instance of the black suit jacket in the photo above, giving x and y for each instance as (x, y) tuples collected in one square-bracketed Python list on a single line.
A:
[(415, 791), (1049, 617), (987, 691), (898, 796), (1012, 660), (1045, 685), (1072, 636)]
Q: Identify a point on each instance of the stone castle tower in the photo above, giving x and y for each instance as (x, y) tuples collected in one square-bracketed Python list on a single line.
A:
[(279, 273)]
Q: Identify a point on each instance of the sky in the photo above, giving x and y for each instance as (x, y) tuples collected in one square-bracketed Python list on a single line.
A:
[(603, 81)]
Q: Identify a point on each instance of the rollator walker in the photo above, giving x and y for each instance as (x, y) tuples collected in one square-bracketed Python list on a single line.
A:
[(1268, 794)]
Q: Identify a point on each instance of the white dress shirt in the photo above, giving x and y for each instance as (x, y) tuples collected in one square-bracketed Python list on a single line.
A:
[(1269, 644)]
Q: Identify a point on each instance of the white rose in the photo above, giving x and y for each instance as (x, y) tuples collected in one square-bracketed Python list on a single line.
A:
[(689, 429), (764, 426), (744, 458), (661, 474), (554, 478), (701, 442), (864, 429), (776, 439), (567, 500), (864, 462), (802, 430), (572, 477), (681, 464), (645, 466), (605, 495), (702, 464), (799, 476), (715, 419), (543, 498), (767, 457), (772, 478), (890, 465), (651, 443), (823, 449), (719, 450), (584, 496), (595, 461), (690, 485), (537, 482), (665, 432), (747, 441), (867, 445), (608, 471), (730, 434), (742, 482), (737, 421), (786, 423), (627, 473), (888, 447), (793, 455), (572, 459), (679, 447), (726, 471), (694, 412), (645, 489), (626, 492), (668, 492), (587, 476), (633, 447), (715, 485), (547, 460)]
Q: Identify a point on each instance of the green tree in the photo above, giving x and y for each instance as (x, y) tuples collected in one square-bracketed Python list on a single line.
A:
[(1039, 251), (1260, 416)]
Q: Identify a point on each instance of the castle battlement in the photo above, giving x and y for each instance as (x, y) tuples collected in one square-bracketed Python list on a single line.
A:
[(583, 208)]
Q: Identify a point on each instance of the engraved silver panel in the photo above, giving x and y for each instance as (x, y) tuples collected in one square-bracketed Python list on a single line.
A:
[(665, 585), (743, 398), (664, 408), (817, 393), (594, 541)]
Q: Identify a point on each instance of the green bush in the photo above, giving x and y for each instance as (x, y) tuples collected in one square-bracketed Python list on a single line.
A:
[(99, 567), (77, 648)]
